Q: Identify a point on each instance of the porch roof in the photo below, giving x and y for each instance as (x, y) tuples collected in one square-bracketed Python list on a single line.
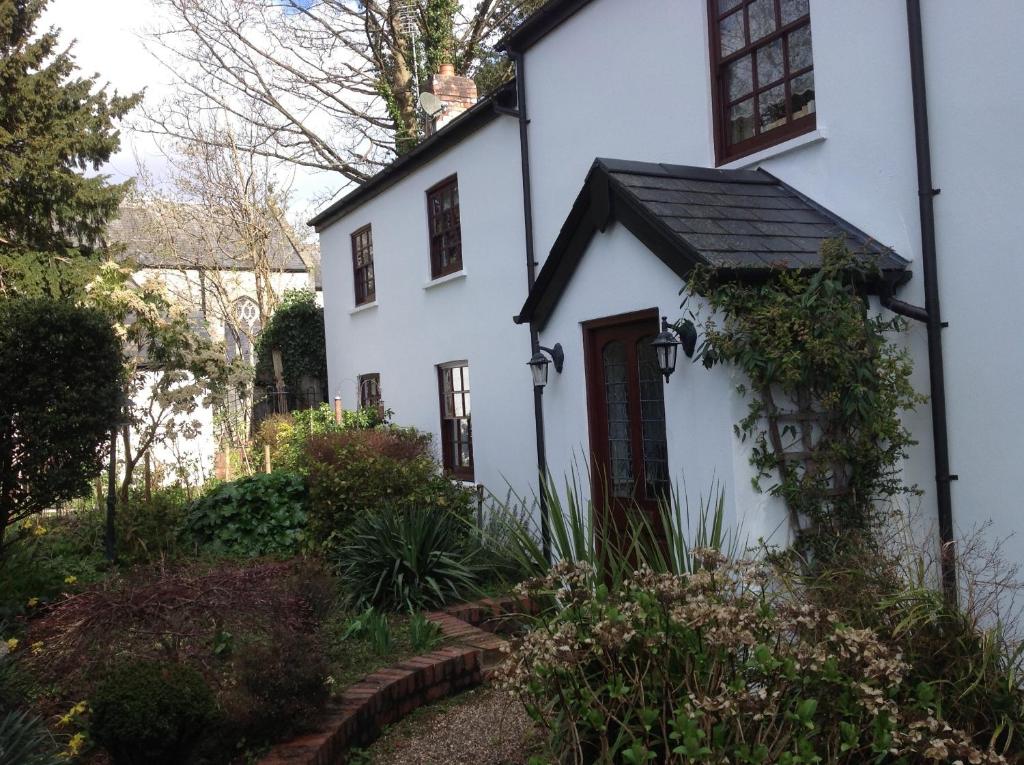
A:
[(742, 223)]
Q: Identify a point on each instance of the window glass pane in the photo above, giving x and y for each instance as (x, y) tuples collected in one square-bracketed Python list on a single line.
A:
[(617, 403), (740, 78), (730, 33), (769, 63), (652, 417), (800, 48), (741, 121), (793, 9), (726, 5), (801, 89), (762, 18), (772, 107)]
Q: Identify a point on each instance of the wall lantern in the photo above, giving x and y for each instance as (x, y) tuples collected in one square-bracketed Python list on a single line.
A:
[(666, 344), (539, 364)]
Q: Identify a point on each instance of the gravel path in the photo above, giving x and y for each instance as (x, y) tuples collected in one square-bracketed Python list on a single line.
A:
[(481, 727)]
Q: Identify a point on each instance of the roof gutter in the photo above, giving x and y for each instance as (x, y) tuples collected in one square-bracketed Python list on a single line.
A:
[(930, 314), (531, 278)]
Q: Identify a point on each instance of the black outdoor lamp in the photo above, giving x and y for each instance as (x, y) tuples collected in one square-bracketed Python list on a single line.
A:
[(539, 364), (666, 345)]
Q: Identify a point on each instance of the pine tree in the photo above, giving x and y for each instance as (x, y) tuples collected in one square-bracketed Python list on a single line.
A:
[(55, 125)]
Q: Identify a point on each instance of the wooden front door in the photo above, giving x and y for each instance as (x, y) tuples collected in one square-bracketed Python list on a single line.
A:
[(626, 409)]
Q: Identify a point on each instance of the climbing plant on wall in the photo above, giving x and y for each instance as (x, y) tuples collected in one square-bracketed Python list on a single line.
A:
[(297, 330), (826, 386)]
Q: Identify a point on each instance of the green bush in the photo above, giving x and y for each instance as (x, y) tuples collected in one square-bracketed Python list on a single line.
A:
[(151, 713), (713, 667), (24, 740), (264, 514), (354, 472), (977, 672), (409, 559), (287, 435)]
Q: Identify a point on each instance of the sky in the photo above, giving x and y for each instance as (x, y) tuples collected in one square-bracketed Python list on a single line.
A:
[(109, 37)]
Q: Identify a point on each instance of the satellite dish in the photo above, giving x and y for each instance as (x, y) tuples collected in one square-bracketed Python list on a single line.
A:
[(431, 104)]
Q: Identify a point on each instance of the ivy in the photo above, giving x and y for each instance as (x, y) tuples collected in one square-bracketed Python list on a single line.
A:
[(297, 330), (439, 33), (826, 388), (406, 137)]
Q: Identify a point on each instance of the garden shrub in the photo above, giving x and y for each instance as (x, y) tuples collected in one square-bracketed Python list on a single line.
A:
[(407, 559), (24, 740), (974, 667), (288, 434), (150, 713), (283, 682), (263, 514), (712, 667), (356, 471), (826, 386)]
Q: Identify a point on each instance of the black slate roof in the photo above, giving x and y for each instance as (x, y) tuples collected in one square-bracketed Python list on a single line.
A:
[(743, 223)]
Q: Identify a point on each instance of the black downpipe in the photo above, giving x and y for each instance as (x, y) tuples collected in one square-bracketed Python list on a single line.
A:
[(531, 278), (931, 313)]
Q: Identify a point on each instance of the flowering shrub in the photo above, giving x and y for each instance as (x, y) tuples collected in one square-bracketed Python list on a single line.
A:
[(712, 667)]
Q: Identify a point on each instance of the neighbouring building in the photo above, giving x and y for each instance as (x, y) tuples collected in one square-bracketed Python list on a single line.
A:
[(642, 138), (207, 270)]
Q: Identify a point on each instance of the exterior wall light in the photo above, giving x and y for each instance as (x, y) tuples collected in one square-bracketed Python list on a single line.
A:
[(666, 344), (539, 364)]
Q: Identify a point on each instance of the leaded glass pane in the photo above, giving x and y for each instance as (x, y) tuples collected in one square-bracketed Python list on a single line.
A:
[(616, 388), (652, 418)]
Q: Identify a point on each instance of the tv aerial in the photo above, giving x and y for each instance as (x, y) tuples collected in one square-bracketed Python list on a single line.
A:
[(431, 104)]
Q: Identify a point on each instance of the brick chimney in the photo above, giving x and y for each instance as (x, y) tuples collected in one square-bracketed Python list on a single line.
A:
[(458, 94)]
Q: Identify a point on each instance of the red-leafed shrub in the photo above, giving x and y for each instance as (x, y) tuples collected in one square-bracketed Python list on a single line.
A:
[(252, 632)]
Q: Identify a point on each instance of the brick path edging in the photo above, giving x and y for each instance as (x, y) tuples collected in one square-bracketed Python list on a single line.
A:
[(390, 694)]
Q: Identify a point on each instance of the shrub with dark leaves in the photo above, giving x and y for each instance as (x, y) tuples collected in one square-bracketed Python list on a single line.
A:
[(151, 713)]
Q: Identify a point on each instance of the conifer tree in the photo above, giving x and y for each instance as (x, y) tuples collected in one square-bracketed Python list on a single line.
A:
[(55, 126)]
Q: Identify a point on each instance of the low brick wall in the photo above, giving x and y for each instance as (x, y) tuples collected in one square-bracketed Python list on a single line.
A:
[(379, 700), (390, 694)]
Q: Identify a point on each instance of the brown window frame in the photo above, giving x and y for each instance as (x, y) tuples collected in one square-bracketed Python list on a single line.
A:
[(440, 264), (367, 401), (449, 459), (724, 152), (363, 277)]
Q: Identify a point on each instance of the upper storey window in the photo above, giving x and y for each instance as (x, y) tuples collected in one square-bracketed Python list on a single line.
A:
[(362, 266), (762, 72), (445, 228)]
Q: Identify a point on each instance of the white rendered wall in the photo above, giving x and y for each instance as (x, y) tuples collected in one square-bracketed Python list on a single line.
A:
[(416, 325), (646, 95), (619, 275)]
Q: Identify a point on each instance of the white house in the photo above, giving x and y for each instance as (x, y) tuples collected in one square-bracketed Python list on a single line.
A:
[(642, 137), (207, 271)]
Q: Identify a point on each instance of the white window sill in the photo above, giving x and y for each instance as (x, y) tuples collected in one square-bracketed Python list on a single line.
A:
[(458, 275), (363, 307), (752, 160)]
